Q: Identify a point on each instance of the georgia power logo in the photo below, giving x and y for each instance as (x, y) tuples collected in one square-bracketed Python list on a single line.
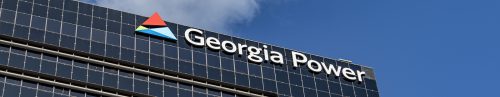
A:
[(155, 26)]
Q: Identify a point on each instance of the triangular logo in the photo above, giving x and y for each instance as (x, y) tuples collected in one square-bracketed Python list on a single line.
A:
[(155, 26)]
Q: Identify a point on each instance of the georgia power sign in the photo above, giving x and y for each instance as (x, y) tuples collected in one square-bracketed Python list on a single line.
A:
[(157, 27)]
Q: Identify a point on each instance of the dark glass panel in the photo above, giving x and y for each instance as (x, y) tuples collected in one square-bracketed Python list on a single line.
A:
[(16, 61), (84, 20), (114, 26), (24, 7), (200, 70), (95, 77), (112, 51), (56, 3), (67, 42), (38, 22), (40, 10), (242, 79), (21, 32), (83, 32), (227, 64), (55, 14), (156, 61), (110, 80), (127, 55), (171, 64), (69, 17), (113, 39), (85, 8), (32, 64), (347, 90), (11, 90), (10, 4), (48, 67), (6, 28), (100, 11), (8, 16), (227, 76), (52, 38), (171, 51), (214, 73), (297, 91), (185, 67), (82, 45), (126, 83), (99, 23), (70, 5), (269, 85), (68, 29), (37, 35), (98, 35), (63, 70), (141, 86), (80, 74), (54, 26), (23, 19), (185, 55)]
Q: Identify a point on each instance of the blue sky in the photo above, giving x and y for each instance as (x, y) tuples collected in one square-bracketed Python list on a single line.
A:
[(418, 48)]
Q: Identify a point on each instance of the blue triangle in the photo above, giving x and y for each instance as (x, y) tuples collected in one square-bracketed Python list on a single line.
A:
[(163, 32)]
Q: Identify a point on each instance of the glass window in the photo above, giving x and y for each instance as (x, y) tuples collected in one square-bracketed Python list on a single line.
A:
[(21, 32), (322, 85), (67, 42), (4, 58), (227, 64), (241, 67), (82, 45), (127, 55), (126, 83), (213, 61), (214, 73), (69, 17), (347, 90), (308, 82), (156, 48), (63, 71), (269, 85), (6, 28), (185, 55), (141, 45), (24, 7), (128, 42), (128, 18), (156, 90), (295, 79), (281, 76), (128, 30), (38, 22), (8, 16), (110, 80), (70, 5), (68, 29), (95, 77), (27, 92), (171, 51), (43, 2), (11, 90), (36, 35), (54, 26), (85, 8), (97, 48), (254, 69), (100, 11), (84, 20), (56, 3), (312, 93), (114, 26), (268, 73), (141, 86), (23, 19), (170, 91), (255, 82), (83, 32), (10, 4), (48, 67), (297, 91), (99, 23), (98, 35), (227, 76), (55, 14), (113, 39), (242, 79), (171, 64), (32, 64), (40, 10), (200, 70), (112, 51), (199, 58), (185, 67), (16, 61), (142, 58), (156, 61), (114, 15), (52, 38), (80, 74)]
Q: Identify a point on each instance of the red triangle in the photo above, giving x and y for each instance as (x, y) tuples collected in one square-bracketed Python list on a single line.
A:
[(154, 20)]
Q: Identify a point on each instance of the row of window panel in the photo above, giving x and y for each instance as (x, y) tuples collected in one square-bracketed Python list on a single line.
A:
[(13, 87), (228, 76)]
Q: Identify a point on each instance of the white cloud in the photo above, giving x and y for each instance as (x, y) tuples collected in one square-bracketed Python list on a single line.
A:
[(215, 15)]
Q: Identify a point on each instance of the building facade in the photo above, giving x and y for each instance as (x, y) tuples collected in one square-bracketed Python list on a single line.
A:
[(61, 48)]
